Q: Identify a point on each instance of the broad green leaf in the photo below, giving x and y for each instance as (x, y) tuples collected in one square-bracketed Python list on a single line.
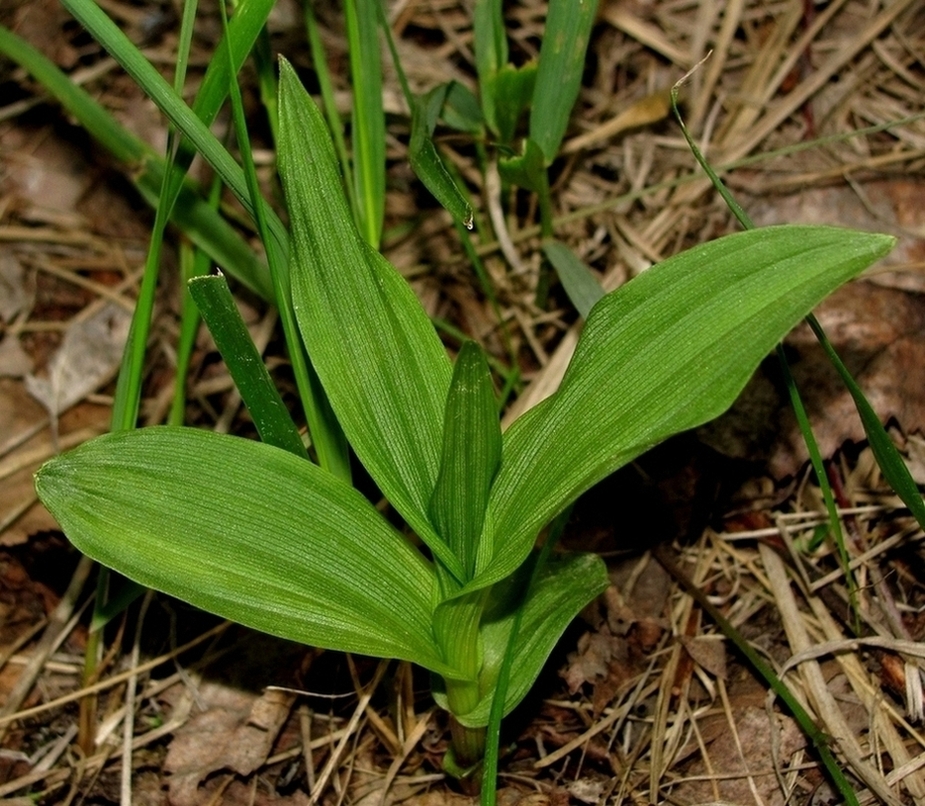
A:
[(375, 350), (245, 364), (425, 159), (563, 588), (249, 532), (471, 454), (490, 53), (367, 132), (514, 87), (562, 62), (666, 352), (579, 281)]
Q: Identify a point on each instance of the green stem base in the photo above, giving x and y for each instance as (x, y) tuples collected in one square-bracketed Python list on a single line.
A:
[(464, 757)]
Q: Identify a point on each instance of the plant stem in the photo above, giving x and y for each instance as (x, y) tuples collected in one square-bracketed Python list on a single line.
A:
[(468, 748), (456, 624)]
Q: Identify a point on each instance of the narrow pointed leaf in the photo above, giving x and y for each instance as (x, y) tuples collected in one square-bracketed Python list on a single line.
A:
[(579, 281), (563, 588), (891, 463), (249, 532), (562, 62), (471, 454), (490, 53), (664, 353), (245, 364), (377, 354), (367, 133), (426, 161)]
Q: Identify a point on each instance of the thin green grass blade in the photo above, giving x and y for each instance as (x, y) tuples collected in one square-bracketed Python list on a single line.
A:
[(367, 131), (327, 437), (250, 532), (134, 63), (123, 145), (470, 458), (377, 354), (245, 364), (562, 62), (266, 80), (194, 262), (666, 352), (335, 125), (891, 463), (490, 54), (127, 398), (579, 281), (250, 17), (815, 458)]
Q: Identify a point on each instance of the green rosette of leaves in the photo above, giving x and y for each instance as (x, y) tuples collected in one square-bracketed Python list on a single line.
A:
[(262, 536)]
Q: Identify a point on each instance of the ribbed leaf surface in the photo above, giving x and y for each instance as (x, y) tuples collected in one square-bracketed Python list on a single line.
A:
[(374, 348), (471, 454), (664, 353), (249, 532)]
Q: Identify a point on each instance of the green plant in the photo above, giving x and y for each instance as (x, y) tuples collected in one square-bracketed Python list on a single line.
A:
[(261, 535)]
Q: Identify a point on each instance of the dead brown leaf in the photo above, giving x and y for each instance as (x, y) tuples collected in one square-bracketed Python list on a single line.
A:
[(236, 732)]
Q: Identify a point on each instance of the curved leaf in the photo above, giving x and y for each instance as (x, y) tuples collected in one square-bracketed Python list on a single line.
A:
[(563, 588), (249, 532), (471, 454), (426, 161), (664, 353), (377, 354)]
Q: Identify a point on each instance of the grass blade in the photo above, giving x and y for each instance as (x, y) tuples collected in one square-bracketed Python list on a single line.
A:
[(245, 364), (490, 54), (891, 463), (367, 131), (137, 66), (562, 62), (335, 124), (579, 281)]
